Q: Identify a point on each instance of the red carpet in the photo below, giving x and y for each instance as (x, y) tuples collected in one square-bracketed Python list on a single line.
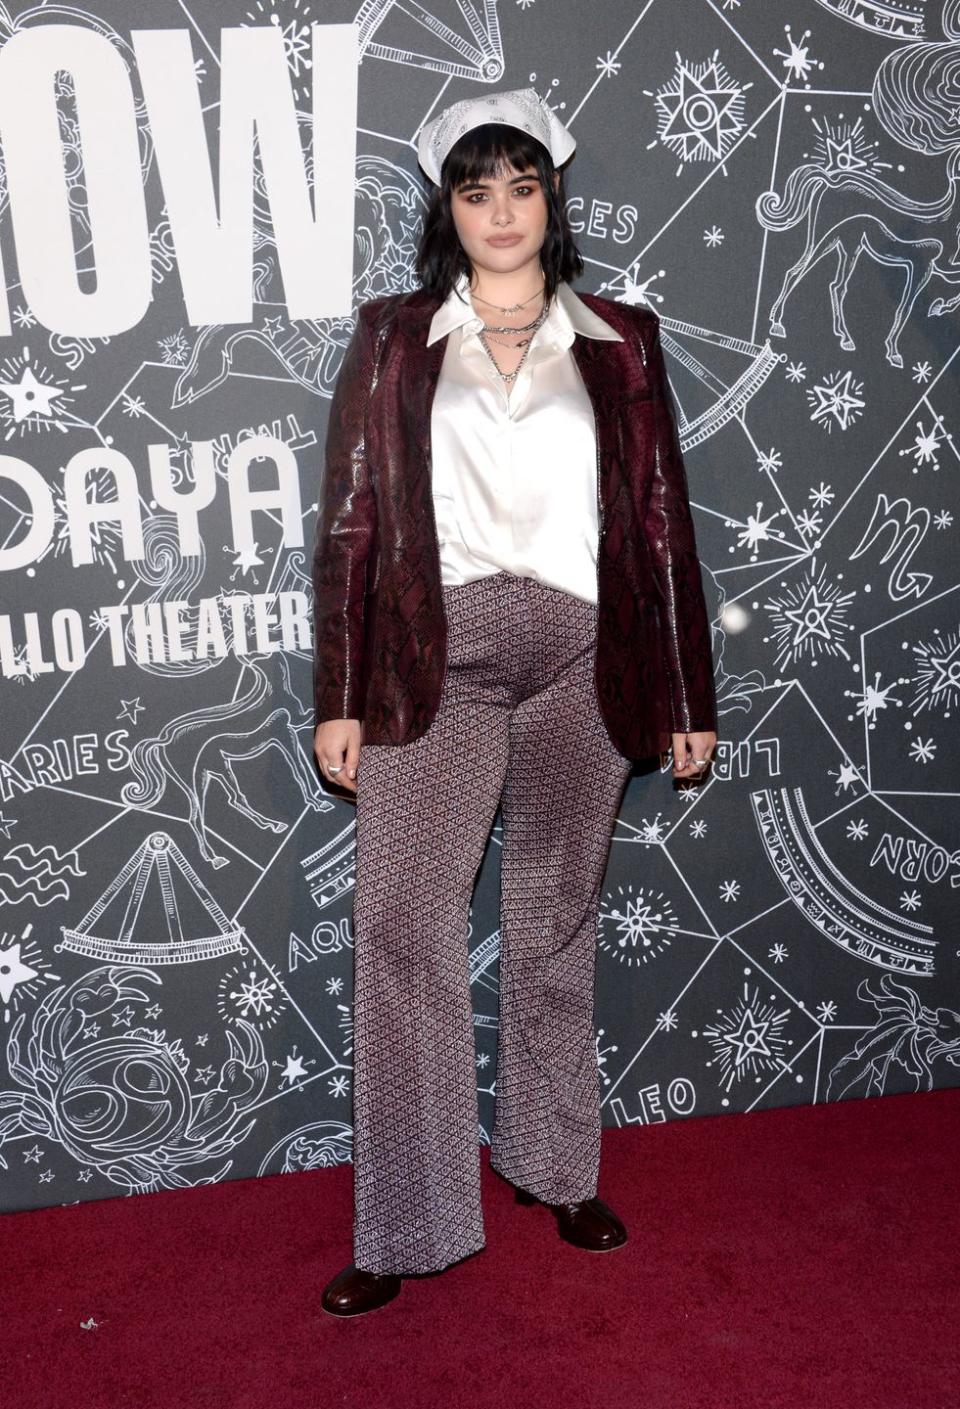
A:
[(791, 1259)]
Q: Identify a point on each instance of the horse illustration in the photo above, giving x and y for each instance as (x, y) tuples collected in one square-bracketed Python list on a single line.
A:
[(198, 749), (891, 242), (916, 98)]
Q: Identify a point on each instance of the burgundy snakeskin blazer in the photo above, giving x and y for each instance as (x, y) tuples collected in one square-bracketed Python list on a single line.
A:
[(379, 622)]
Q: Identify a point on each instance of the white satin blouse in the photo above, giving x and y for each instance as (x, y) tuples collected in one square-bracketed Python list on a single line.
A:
[(514, 467)]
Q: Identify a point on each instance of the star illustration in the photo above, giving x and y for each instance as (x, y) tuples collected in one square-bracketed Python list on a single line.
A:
[(946, 670), (810, 616), (130, 710), (809, 619), (248, 558), (700, 111), (6, 823), (294, 1069), (13, 971), (30, 397), (847, 775), (844, 147), (842, 157), (836, 399), (749, 1040)]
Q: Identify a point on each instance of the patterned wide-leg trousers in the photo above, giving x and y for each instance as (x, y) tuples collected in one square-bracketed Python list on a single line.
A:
[(518, 725)]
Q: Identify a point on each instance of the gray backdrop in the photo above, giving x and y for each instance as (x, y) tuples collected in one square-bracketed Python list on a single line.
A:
[(779, 182)]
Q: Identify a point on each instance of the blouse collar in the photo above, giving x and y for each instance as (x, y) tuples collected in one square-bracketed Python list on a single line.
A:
[(567, 316)]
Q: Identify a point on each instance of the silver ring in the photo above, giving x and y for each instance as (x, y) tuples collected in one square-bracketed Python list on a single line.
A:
[(331, 769), (701, 762)]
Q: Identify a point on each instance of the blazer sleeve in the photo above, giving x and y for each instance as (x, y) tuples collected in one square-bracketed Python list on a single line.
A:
[(669, 529), (346, 524)]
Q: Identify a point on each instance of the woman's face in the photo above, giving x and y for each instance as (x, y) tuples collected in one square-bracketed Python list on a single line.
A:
[(501, 222)]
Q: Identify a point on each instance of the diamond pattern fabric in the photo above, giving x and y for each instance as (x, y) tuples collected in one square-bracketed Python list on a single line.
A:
[(518, 726)]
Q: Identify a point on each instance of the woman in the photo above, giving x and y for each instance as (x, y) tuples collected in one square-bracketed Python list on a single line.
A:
[(508, 612)]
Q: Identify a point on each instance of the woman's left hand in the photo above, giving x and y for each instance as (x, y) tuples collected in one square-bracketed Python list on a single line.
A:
[(692, 754)]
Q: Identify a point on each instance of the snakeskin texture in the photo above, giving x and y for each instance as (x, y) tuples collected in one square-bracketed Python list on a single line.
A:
[(518, 701), (379, 623)]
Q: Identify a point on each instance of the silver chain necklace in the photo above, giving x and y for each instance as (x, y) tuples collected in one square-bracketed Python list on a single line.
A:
[(525, 343), (514, 307)]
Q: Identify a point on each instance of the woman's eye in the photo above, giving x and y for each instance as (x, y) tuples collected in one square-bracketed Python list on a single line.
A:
[(479, 195)]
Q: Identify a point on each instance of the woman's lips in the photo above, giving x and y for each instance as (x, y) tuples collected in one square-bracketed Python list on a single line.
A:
[(504, 239)]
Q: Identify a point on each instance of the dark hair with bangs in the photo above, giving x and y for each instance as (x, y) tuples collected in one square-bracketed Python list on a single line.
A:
[(477, 156)]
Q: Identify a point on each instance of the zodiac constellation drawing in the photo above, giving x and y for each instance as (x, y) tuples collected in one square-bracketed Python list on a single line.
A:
[(175, 960)]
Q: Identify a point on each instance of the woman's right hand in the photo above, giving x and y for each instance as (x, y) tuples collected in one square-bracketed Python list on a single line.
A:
[(336, 744)]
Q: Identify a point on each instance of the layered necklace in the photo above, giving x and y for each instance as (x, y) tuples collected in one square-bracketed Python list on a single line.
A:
[(489, 331)]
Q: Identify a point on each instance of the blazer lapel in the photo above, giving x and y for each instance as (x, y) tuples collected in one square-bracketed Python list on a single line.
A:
[(597, 364)]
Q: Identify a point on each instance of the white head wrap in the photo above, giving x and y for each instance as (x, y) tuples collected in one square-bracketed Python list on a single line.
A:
[(517, 107)]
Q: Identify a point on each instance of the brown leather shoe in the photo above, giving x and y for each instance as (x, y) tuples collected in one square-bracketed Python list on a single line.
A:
[(589, 1224), (354, 1291)]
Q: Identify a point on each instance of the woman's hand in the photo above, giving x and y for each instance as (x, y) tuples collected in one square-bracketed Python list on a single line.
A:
[(336, 745), (692, 754)]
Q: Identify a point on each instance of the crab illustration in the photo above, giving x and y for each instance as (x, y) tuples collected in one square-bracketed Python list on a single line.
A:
[(121, 1104)]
